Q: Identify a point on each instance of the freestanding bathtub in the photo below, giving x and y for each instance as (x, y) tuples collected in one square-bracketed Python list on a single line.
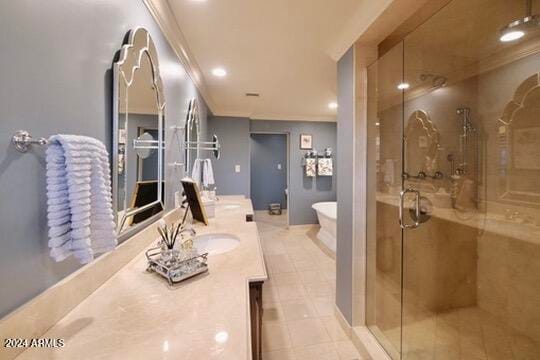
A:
[(327, 214)]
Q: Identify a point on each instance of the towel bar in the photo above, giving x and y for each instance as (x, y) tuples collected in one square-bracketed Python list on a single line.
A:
[(22, 140)]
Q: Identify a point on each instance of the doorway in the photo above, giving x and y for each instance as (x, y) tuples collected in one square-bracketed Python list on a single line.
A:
[(269, 173)]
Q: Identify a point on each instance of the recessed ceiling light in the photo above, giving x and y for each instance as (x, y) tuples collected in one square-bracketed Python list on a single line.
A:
[(332, 105), (219, 72), (512, 35), (403, 86)]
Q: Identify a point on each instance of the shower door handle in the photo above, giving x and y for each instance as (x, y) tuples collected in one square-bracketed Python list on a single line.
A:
[(417, 209)]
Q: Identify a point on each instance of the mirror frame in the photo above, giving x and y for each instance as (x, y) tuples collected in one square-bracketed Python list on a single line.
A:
[(422, 117), (506, 150), (192, 119), (126, 76)]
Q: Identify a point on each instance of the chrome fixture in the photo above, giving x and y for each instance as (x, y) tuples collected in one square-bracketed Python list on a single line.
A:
[(416, 209), (518, 28), (437, 81), (213, 146), (422, 175), (191, 231), (22, 141), (467, 129)]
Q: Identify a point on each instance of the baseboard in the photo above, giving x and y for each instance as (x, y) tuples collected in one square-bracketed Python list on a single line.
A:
[(303, 227), (342, 321), (367, 344), (361, 337)]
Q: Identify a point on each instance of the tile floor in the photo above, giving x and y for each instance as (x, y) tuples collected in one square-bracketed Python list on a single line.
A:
[(298, 298), (467, 333)]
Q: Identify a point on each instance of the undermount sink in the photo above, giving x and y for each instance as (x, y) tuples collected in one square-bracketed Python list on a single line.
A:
[(215, 244)]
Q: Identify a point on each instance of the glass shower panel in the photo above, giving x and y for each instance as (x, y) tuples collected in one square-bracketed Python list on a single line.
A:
[(384, 236), (471, 148)]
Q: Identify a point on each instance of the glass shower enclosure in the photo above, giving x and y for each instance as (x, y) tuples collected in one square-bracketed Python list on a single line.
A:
[(453, 227)]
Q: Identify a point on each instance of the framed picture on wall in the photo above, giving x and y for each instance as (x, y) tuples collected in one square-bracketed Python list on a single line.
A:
[(306, 142)]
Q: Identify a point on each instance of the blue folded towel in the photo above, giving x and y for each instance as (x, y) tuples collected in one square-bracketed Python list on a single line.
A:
[(79, 212)]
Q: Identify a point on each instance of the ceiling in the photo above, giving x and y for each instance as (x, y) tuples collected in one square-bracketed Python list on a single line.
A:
[(284, 50)]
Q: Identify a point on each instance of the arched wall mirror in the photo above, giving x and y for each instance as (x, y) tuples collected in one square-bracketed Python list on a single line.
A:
[(192, 139), (192, 135), (138, 134), (519, 145), (421, 145)]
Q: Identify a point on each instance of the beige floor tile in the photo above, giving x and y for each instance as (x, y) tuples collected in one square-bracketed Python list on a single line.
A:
[(319, 289), (334, 329), (273, 313), (270, 294), (298, 310), (299, 256), (326, 351), (291, 292), (275, 337), (329, 275), (347, 351), (285, 279), (311, 277), (299, 295), (324, 305), (305, 265), (279, 355), (307, 332)]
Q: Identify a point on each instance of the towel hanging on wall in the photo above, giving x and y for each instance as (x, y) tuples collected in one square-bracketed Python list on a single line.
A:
[(196, 172), (79, 205), (311, 167), (325, 167), (208, 173)]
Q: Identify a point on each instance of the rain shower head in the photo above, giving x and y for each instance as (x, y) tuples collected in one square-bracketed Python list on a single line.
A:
[(518, 28)]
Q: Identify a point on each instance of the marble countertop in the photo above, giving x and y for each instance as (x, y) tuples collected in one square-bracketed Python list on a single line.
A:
[(136, 315)]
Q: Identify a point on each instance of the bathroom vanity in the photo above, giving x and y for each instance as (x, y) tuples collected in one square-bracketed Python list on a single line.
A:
[(136, 314)]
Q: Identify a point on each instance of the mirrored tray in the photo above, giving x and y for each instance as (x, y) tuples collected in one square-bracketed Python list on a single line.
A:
[(174, 266)]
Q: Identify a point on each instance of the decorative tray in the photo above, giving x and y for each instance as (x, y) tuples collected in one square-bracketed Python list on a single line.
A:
[(176, 265)]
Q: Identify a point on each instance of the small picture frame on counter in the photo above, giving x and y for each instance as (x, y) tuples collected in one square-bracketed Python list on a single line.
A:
[(306, 142)]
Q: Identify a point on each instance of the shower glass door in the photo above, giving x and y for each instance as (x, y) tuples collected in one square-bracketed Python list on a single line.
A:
[(454, 157), (384, 183)]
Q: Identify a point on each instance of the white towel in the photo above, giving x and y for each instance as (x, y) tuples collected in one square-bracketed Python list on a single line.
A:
[(79, 205), (196, 172), (325, 167), (208, 173), (389, 177), (311, 167)]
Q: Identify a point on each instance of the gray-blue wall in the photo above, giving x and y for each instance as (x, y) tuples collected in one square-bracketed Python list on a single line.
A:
[(268, 182), (234, 134), (56, 78), (345, 198)]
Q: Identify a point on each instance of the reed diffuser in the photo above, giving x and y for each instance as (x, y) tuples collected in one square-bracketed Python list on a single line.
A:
[(168, 234)]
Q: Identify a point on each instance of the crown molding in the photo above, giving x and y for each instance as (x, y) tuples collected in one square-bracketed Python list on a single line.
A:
[(285, 117), (274, 117), (163, 15)]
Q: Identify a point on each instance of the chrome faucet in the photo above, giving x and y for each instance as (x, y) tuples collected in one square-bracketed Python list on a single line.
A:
[(191, 231)]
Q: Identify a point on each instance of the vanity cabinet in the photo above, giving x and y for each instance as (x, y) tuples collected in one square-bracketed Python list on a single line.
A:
[(256, 310)]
